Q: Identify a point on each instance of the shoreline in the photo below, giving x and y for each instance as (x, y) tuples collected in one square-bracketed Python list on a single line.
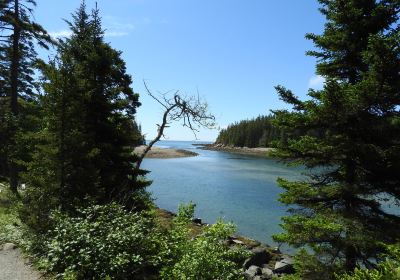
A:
[(264, 258), (164, 153), (259, 152)]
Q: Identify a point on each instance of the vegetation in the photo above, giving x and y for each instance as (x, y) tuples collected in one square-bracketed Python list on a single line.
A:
[(85, 210), (258, 132), (389, 269), (205, 257), (18, 99), (88, 131), (82, 206), (99, 242), (350, 131)]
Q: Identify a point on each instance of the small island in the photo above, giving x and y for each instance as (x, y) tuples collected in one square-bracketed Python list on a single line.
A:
[(257, 151), (157, 152)]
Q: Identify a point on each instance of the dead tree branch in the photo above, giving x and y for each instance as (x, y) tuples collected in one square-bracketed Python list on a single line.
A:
[(190, 111)]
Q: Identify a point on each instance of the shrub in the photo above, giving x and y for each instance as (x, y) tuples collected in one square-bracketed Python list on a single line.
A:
[(101, 242), (204, 257), (386, 270), (10, 225)]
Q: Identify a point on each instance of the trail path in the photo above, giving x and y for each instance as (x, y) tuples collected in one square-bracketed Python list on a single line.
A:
[(13, 266)]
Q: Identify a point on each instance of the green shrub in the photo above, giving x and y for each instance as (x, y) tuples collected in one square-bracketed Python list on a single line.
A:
[(11, 229), (102, 242), (386, 270), (201, 258)]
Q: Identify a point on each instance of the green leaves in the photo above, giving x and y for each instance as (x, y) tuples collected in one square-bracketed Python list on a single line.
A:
[(204, 257), (346, 134), (101, 241)]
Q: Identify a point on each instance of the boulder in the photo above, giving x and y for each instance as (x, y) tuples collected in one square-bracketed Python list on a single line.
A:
[(9, 246), (251, 272), (260, 256), (237, 241), (284, 266), (196, 221), (266, 271)]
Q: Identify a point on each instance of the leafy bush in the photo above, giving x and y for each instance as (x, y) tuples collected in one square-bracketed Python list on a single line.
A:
[(10, 225), (204, 257), (386, 270), (101, 242)]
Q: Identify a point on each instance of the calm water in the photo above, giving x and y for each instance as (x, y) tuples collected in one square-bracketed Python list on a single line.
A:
[(237, 188)]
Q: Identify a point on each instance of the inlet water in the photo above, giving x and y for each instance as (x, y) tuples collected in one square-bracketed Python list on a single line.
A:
[(236, 188)]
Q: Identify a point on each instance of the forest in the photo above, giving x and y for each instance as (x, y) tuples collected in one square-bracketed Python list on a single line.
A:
[(73, 194), (258, 132)]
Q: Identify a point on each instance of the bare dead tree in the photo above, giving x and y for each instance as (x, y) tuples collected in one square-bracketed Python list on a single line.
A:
[(190, 111)]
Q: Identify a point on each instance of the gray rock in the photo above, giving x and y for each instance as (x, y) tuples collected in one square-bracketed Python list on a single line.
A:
[(260, 256), (262, 277), (266, 271), (237, 241), (252, 271), (284, 266), (9, 246)]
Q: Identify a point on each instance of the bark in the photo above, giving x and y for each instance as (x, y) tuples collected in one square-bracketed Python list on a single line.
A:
[(15, 61)]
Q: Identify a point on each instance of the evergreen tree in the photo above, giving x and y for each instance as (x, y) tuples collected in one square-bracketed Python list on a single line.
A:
[(85, 148), (349, 135), (19, 34), (258, 132)]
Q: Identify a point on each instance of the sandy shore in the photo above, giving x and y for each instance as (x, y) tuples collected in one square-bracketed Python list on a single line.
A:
[(157, 152), (263, 152)]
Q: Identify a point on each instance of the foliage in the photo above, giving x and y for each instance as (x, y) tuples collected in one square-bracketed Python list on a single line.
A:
[(203, 257), (18, 86), (386, 270), (9, 229), (258, 132), (348, 134), (12, 230), (101, 241), (84, 149)]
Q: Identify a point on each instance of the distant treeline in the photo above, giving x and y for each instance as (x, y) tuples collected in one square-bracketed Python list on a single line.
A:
[(258, 132)]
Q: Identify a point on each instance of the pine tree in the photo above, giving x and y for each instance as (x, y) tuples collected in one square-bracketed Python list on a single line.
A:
[(349, 135), (19, 34), (85, 148)]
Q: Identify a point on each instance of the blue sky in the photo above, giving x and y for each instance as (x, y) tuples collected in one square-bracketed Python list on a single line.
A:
[(233, 52)]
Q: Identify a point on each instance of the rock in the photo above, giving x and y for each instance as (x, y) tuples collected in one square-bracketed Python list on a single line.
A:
[(260, 256), (262, 277), (252, 271), (9, 246), (276, 250), (196, 221), (266, 271), (284, 266), (237, 241)]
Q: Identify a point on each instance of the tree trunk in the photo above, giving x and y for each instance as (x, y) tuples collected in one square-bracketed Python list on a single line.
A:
[(15, 59)]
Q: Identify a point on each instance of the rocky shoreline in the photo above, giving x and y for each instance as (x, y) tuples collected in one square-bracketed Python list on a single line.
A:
[(261, 152), (157, 152), (265, 261)]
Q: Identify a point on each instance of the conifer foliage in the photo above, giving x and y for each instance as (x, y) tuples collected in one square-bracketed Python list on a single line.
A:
[(85, 147), (18, 102), (258, 132), (350, 132)]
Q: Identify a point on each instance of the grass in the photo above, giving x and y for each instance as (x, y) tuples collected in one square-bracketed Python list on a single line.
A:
[(10, 224)]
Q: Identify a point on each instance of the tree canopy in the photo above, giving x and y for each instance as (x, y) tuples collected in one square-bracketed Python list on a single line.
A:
[(257, 132), (350, 135), (88, 129)]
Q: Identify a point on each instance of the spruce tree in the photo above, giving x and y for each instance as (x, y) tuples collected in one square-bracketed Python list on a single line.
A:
[(19, 34), (348, 133), (85, 148)]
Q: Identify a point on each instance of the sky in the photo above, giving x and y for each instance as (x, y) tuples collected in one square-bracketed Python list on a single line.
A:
[(230, 52)]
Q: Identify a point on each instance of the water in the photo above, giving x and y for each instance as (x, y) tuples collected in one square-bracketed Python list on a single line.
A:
[(237, 188)]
